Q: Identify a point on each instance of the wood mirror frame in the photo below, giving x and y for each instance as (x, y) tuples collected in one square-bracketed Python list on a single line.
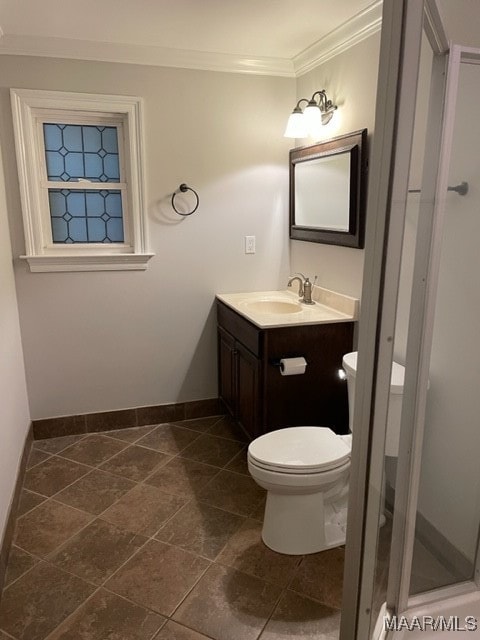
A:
[(355, 145)]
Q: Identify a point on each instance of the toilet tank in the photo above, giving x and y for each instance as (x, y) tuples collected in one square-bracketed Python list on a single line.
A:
[(394, 403)]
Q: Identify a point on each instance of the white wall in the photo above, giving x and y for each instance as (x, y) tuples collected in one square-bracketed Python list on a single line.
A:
[(103, 341), (14, 414), (450, 483), (350, 80)]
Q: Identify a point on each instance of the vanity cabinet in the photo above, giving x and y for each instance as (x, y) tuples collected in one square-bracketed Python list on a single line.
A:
[(258, 396)]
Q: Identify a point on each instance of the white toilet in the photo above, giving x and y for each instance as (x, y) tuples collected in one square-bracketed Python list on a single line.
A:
[(306, 470)]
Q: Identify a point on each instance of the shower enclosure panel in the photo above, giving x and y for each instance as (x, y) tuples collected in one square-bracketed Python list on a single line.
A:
[(439, 393)]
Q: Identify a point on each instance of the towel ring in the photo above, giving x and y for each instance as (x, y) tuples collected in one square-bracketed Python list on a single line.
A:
[(182, 189)]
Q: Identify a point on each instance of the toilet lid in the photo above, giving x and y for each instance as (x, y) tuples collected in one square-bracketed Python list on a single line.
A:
[(295, 448)]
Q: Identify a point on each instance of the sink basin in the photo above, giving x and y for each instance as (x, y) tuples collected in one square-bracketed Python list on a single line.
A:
[(268, 309), (274, 306)]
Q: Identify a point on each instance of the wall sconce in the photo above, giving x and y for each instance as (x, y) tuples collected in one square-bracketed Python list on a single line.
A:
[(318, 112)]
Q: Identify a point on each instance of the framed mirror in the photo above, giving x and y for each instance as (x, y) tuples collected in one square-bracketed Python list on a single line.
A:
[(328, 186)]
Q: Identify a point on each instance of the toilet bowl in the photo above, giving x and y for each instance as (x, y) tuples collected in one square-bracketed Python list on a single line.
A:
[(305, 471)]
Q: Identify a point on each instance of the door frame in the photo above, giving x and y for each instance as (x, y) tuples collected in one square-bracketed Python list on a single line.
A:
[(403, 23), (387, 196)]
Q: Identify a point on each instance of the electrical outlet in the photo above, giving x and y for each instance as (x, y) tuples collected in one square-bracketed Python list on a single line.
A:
[(249, 244)]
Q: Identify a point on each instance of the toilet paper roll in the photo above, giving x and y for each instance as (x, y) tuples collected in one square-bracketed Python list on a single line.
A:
[(292, 366)]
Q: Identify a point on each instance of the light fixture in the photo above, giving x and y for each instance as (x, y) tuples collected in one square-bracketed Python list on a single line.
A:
[(318, 112)]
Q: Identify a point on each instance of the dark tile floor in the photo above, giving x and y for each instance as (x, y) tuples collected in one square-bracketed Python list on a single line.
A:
[(154, 533)]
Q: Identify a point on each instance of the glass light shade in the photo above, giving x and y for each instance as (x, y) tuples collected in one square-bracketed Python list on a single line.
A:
[(313, 119), (296, 127), (328, 115)]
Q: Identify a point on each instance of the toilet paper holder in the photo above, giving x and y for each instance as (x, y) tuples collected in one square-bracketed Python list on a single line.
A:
[(291, 366), (275, 362)]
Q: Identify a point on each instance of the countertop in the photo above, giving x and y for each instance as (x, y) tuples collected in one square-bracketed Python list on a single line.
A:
[(329, 307)]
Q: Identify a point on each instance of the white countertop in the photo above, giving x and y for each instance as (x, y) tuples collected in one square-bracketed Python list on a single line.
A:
[(329, 307)]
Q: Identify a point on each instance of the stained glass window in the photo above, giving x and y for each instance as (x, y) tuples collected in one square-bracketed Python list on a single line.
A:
[(86, 216), (77, 153)]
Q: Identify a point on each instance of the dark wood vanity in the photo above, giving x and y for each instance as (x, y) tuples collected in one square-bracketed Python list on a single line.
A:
[(258, 396)]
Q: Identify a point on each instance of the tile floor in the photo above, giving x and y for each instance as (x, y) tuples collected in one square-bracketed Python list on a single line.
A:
[(154, 533)]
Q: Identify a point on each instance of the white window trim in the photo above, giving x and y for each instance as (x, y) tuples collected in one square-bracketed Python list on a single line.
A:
[(28, 106)]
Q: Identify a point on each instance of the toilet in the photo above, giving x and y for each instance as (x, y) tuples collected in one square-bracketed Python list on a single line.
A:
[(305, 471)]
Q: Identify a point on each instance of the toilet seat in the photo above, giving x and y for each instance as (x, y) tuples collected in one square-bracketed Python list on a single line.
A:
[(300, 450)]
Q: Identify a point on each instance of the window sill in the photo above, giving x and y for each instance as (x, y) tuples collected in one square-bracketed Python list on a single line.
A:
[(117, 262)]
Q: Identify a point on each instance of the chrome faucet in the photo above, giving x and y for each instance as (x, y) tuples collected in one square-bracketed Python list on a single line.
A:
[(304, 288)]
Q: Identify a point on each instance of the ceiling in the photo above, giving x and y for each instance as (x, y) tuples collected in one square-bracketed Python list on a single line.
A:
[(274, 28), (274, 32), (461, 19), (274, 37)]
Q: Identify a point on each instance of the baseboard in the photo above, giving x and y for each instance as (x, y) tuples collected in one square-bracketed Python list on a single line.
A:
[(7, 538), (435, 542), (126, 418), (446, 552)]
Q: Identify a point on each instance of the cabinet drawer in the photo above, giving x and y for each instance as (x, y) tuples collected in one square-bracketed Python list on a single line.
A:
[(243, 330)]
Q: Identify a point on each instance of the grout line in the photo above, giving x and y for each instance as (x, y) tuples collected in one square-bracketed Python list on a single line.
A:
[(143, 535), (80, 436), (72, 614), (175, 457), (117, 595), (274, 608), (49, 455), (65, 504), (134, 554), (218, 417), (89, 470), (45, 561), (99, 467), (295, 571), (34, 555), (167, 453), (182, 624), (90, 436), (182, 600), (59, 456), (25, 572), (45, 498), (143, 481), (195, 499), (107, 434), (173, 544), (40, 495), (97, 588), (86, 433), (49, 555)]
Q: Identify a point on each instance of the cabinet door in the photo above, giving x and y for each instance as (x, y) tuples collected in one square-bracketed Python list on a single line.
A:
[(226, 368), (248, 390)]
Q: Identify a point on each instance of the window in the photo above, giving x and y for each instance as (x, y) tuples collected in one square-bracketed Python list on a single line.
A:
[(81, 178)]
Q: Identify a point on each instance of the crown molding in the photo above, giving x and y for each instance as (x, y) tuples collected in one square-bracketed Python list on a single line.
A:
[(144, 55), (350, 33), (358, 28)]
